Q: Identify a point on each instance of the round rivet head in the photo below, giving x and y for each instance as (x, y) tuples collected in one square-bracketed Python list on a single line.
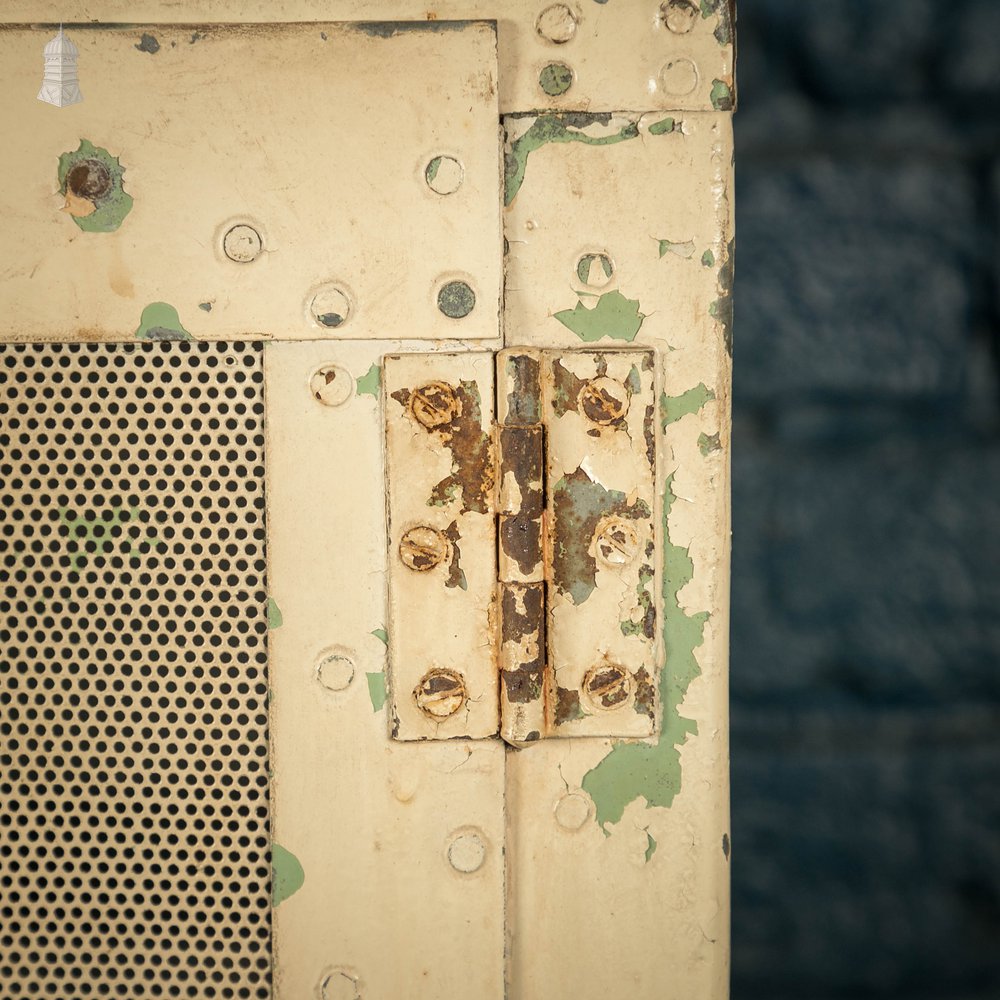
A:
[(680, 16), (572, 810), (89, 179), (444, 175), (330, 307), (615, 542), (556, 24), (422, 548), (604, 400), (679, 77), (331, 385), (339, 985), (595, 269), (607, 686), (555, 79), (456, 299), (242, 244), (467, 852), (440, 693), (434, 405), (335, 671)]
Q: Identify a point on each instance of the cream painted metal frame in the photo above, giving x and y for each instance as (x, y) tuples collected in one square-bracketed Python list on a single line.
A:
[(579, 868)]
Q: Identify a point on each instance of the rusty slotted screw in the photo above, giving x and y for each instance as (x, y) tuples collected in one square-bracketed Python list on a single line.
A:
[(604, 401), (89, 179), (607, 685), (616, 542), (422, 548), (440, 693), (434, 405)]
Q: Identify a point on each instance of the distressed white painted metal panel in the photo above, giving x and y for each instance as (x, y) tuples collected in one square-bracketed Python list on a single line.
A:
[(440, 472), (598, 411), (316, 136), (400, 844), (389, 857), (634, 54), (627, 842)]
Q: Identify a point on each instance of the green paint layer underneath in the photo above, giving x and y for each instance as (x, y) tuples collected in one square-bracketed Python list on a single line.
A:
[(663, 127), (555, 79), (650, 846), (653, 770), (721, 96), (371, 382), (159, 321), (672, 408), (287, 874), (274, 619), (613, 316), (381, 635), (707, 443), (112, 205), (555, 128), (376, 689)]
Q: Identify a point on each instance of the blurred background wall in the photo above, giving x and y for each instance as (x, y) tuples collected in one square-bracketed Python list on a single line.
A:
[(866, 549)]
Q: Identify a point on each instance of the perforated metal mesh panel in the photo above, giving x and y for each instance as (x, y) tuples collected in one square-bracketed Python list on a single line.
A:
[(133, 721)]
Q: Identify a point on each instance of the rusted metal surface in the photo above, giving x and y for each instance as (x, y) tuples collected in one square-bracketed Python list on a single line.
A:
[(600, 539), (440, 482), (522, 662), (520, 556)]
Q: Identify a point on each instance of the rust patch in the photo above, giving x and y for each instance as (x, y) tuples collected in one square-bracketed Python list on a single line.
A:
[(567, 708), (454, 414), (433, 405), (604, 401), (456, 575), (522, 457), (649, 434), (579, 505), (645, 693), (521, 541), (524, 400), (522, 617), (566, 389)]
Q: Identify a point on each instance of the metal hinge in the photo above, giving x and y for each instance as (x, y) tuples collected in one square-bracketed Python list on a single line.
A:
[(521, 572)]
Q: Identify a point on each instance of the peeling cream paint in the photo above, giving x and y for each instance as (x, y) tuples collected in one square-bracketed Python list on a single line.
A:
[(652, 771), (707, 443), (685, 249), (722, 308)]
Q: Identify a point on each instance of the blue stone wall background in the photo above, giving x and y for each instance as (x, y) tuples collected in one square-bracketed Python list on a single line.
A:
[(866, 502)]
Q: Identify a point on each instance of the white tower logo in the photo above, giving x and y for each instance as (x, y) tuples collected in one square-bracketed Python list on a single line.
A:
[(60, 85)]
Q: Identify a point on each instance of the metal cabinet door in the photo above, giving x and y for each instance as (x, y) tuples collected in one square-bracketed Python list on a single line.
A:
[(209, 786)]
